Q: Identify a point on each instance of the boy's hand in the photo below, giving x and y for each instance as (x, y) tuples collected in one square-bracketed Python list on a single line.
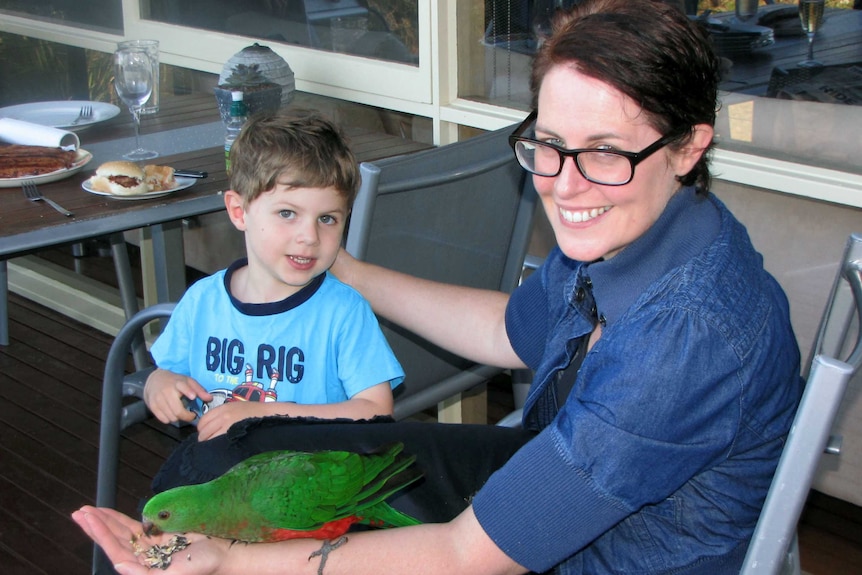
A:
[(217, 420), (164, 393)]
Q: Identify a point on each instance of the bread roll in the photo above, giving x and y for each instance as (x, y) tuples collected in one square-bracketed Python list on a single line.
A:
[(120, 178), (159, 178)]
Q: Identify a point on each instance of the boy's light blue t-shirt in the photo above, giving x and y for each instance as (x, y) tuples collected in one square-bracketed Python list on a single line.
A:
[(321, 345)]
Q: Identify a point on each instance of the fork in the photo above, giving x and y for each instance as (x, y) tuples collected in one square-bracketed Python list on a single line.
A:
[(34, 195), (85, 114)]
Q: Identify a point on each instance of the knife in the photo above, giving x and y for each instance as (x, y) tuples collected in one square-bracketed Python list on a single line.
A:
[(190, 174)]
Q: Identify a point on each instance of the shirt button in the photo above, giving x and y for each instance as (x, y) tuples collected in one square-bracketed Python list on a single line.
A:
[(581, 294)]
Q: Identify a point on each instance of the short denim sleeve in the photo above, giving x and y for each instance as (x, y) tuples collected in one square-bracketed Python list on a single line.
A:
[(526, 320)]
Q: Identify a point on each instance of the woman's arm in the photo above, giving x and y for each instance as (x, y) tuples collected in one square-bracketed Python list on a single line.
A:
[(467, 321), (455, 548)]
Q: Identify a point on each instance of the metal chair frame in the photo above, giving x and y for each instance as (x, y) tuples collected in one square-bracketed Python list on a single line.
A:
[(453, 248), (774, 548)]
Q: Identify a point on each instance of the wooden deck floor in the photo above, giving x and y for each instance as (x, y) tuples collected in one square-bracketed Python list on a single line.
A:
[(50, 382)]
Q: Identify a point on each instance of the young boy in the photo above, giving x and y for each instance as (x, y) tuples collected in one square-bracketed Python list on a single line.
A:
[(275, 333)]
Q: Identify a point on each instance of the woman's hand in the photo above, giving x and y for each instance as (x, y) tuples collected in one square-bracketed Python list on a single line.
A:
[(343, 266), (123, 541)]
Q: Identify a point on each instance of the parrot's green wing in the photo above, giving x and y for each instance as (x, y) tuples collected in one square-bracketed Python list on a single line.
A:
[(306, 490)]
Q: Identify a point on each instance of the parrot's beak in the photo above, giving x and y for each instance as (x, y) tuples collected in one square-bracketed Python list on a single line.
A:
[(150, 529)]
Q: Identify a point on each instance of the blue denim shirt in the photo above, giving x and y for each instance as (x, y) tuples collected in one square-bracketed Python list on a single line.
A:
[(660, 458)]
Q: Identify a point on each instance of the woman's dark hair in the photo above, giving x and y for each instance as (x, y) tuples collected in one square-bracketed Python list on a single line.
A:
[(648, 50)]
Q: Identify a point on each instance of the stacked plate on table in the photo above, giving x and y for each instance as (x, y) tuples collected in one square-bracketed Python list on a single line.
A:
[(732, 38), (62, 114)]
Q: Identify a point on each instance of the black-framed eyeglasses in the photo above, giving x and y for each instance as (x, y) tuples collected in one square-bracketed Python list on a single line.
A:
[(605, 167)]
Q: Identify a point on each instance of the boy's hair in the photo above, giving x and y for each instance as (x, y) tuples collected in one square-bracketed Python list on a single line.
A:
[(302, 147)]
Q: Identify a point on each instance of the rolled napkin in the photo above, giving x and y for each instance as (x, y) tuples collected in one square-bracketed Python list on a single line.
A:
[(15, 131)]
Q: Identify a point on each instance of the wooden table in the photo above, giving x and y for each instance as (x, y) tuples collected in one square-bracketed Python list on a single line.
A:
[(27, 227), (176, 111), (839, 41)]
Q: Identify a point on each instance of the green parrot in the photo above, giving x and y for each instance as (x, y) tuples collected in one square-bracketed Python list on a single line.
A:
[(279, 495)]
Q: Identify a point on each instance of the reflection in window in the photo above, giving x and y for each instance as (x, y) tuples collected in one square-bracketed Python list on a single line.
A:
[(767, 54), (33, 70), (381, 29), (770, 105), (99, 15)]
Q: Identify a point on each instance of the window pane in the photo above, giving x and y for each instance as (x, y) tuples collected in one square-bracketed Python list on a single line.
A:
[(100, 15), (500, 39), (774, 104), (33, 70), (381, 29), (770, 105)]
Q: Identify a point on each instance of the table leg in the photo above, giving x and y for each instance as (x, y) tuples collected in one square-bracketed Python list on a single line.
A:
[(169, 261), (127, 294)]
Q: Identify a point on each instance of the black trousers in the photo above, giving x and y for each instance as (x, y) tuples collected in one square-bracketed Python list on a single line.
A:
[(456, 459)]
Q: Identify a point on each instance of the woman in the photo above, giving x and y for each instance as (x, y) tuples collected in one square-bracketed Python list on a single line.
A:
[(666, 370)]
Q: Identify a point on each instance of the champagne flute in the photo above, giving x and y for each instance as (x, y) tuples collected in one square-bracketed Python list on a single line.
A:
[(133, 80), (811, 15)]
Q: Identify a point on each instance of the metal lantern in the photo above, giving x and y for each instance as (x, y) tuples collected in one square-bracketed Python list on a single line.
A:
[(273, 66)]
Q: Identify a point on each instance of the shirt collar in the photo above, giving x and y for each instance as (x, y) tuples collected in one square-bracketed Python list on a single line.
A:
[(688, 224), (271, 308)]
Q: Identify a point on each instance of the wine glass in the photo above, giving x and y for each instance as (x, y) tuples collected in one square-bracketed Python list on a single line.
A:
[(811, 15), (133, 80)]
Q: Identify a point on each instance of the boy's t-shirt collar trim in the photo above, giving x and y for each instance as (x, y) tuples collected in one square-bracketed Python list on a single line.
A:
[(270, 308)]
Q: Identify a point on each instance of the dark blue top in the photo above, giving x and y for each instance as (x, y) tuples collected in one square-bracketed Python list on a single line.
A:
[(660, 458)]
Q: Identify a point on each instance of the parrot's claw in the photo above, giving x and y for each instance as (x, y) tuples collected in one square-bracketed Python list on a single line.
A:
[(325, 550)]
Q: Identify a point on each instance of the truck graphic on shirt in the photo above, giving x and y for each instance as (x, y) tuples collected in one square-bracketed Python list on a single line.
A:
[(249, 390)]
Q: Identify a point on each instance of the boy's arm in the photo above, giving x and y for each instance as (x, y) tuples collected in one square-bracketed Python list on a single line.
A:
[(375, 400)]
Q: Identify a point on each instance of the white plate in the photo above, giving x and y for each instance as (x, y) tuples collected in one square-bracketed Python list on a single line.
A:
[(60, 114), (182, 184), (82, 160)]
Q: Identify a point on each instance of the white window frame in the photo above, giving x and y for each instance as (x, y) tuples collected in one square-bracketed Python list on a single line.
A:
[(380, 83)]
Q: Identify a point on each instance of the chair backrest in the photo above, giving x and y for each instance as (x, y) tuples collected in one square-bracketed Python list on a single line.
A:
[(115, 386), (461, 214), (116, 415), (839, 337)]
